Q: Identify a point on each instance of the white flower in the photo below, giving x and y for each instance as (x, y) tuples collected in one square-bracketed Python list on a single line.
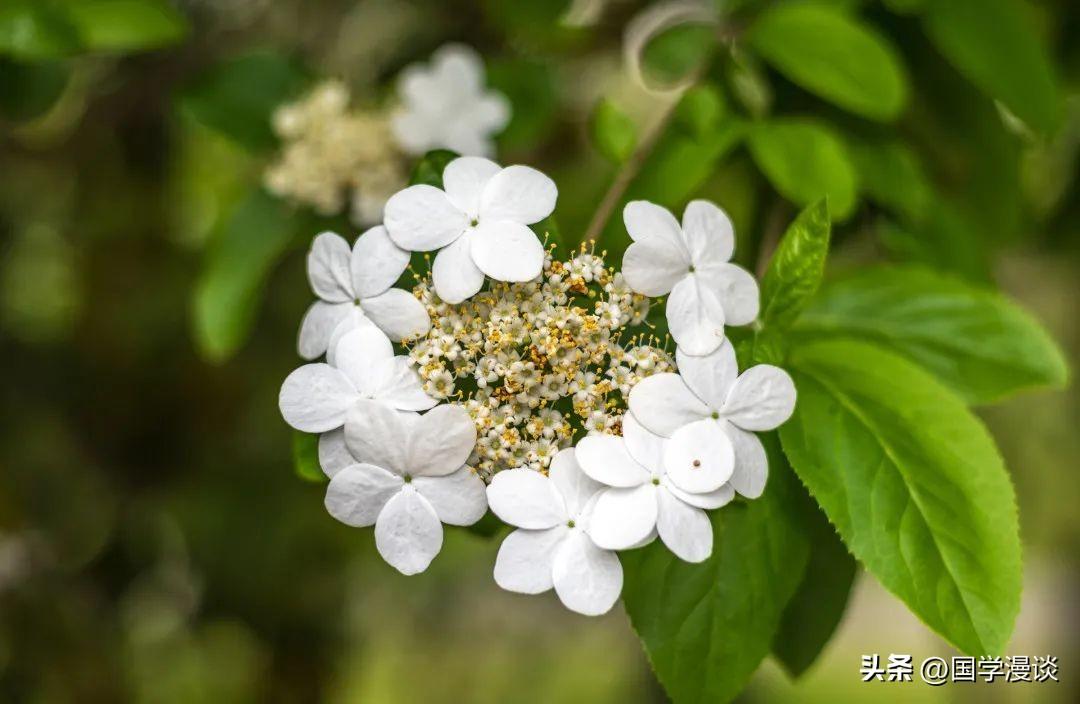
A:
[(479, 224), (552, 546), (446, 105), (409, 477), (316, 398), (354, 287), (690, 263), (709, 397), (656, 489)]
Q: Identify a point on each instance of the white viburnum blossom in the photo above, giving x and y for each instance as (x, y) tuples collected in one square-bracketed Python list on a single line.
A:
[(316, 398), (656, 488), (709, 398), (354, 286), (479, 224), (690, 264), (446, 105), (409, 478), (552, 546)]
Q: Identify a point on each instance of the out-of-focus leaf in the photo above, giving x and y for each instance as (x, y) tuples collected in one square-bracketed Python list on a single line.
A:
[(305, 452), (749, 84), (227, 294), (946, 238), (35, 29), (914, 485), (974, 340), (429, 169), (890, 175), (28, 90), (675, 55), (238, 97), (796, 267), (994, 45), (530, 87), (834, 55), (706, 627), (127, 25), (700, 110), (613, 132), (805, 161)]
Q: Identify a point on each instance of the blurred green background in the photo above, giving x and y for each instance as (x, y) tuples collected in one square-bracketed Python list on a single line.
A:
[(156, 544)]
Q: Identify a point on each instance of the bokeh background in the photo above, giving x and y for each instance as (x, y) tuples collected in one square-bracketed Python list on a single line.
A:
[(156, 542)]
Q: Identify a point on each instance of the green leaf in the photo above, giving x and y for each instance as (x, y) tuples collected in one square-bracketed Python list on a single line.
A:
[(530, 88), (812, 615), (993, 44), (28, 90), (305, 452), (946, 238), (805, 161), (228, 291), (33, 29), (890, 174), (914, 485), (700, 110), (974, 340), (834, 55), (613, 132), (706, 627), (429, 169), (127, 25), (674, 55), (796, 267), (239, 96)]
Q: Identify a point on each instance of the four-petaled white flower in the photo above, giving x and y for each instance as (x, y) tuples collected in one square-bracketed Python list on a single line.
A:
[(410, 477), (691, 264), (552, 546), (447, 106), (658, 487), (317, 398), (479, 224), (354, 288), (709, 398)]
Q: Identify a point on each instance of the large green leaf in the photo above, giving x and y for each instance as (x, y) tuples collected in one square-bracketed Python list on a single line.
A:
[(891, 175), (914, 485), (974, 340), (34, 29), (834, 55), (796, 267), (127, 25), (805, 161), (706, 627), (30, 89), (993, 44)]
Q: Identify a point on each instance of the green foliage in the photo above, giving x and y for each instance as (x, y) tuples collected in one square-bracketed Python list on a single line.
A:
[(890, 174), (914, 485), (677, 54), (126, 25), (305, 452), (805, 161), (796, 268), (33, 29), (700, 110), (429, 169), (530, 87), (238, 97), (613, 132), (706, 627), (834, 55), (972, 339), (28, 90)]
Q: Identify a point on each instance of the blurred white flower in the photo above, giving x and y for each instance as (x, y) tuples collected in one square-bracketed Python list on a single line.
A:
[(552, 546), (446, 105)]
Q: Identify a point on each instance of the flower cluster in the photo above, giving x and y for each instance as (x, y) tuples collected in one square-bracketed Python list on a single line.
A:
[(536, 376)]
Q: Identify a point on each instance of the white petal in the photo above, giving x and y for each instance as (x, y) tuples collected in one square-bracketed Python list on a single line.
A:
[(334, 455), (526, 499), (411, 131), (751, 463), (736, 289), (587, 579), (315, 398), (699, 457), (663, 403), (507, 251), (442, 441), (762, 398), (647, 221), (376, 263), (464, 180), (459, 68), (644, 446), (454, 273), (623, 518), (459, 498), (398, 313), (328, 268), (407, 533), (708, 500), (575, 487), (359, 354), (526, 558), (379, 435), (708, 232), (709, 376), (400, 386), (354, 318), (318, 324), (421, 218), (653, 267), (686, 530), (489, 113), (695, 316), (357, 494), (520, 194), (465, 137), (605, 458)]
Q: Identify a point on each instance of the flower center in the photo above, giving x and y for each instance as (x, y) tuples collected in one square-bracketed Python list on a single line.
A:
[(408, 478), (474, 222), (716, 415), (690, 268), (570, 523), (656, 481), (695, 464)]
